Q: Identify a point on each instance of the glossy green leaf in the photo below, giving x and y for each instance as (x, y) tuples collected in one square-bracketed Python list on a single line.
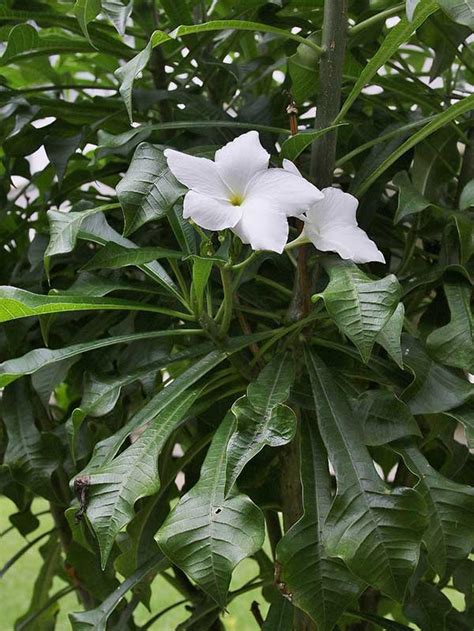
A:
[(428, 608), (29, 454), (449, 537), (40, 358), (280, 616), (295, 145), (149, 189), (96, 619), (207, 534), (118, 12), (115, 256), (439, 121), (361, 307), (376, 530), (397, 36), (453, 344), (434, 388), (465, 415), (410, 200), (117, 485), (461, 11), (389, 336), (86, 11), (261, 417), (320, 585), (17, 303), (384, 417)]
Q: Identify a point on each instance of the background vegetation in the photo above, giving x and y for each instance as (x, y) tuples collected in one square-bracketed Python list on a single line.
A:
[(109, 295)]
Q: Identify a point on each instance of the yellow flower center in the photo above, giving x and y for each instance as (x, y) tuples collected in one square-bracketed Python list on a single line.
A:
[(236, 200)]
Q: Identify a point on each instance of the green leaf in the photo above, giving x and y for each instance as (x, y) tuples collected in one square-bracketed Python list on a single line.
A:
[(465, 415), (148, 189), (96, 619), (206, 535), (453, 344), (320, 585), (389, 336), (410, 200), (295, 145), (45, 621), (128, 73), (64, 228), (449, 537), (29, 454), (374, 529), (177, 12), (17, 303), (360, 307), (118, 12), (411, 7), (384, 418), (439, 121), (86, 11), (117, 485), (39, 358), (466, 200), (22, 37), (115, 256), (280, 616), (428, 608), (261, 417), (397, 36), (434, 388), (461, 11)]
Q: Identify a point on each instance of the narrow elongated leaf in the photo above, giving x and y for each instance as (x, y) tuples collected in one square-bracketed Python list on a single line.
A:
[(207, 534), (149, 189), (434, 388), (411, 7), (295, 145), (39, 358), (115, 256), (375, 530), (96, 619), (397, 36), (320, 585), (439, 121), (116, 486), (261, 417), (453, 344), (86, 11), (361, 307), (449, 537), (17, 303)]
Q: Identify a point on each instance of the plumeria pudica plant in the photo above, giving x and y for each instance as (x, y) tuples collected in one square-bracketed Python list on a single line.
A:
[(236, 349)]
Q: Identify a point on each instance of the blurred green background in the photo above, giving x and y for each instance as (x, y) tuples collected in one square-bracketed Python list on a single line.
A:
[(16, 586)]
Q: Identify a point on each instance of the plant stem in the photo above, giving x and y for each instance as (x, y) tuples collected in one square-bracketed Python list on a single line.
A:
[(383, 15), (331, 65)]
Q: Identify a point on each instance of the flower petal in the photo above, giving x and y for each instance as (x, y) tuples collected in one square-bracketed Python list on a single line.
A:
[(198, 174), (286, 191), (262, 225), (290, 166), (350, 242), (239, 160), (337, 208), (210, 213)]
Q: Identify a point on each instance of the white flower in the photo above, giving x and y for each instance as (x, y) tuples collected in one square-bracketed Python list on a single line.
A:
[(331, 225), (237, 190)]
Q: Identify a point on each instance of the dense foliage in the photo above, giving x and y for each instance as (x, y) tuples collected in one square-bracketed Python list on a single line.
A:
[(178, 400)]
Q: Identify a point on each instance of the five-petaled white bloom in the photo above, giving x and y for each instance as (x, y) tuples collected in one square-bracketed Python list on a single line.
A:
[(237, 190), (331, 226)]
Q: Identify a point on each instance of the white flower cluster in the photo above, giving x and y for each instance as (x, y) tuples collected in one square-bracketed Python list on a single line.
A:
[(239, 191)]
